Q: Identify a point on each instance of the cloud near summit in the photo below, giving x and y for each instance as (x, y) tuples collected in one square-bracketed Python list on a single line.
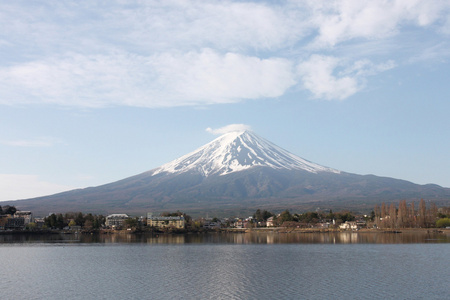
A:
[(228, 128), (172, 53)]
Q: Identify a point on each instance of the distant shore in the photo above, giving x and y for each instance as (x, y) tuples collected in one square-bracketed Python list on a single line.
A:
[(232, 230), (327, 230)]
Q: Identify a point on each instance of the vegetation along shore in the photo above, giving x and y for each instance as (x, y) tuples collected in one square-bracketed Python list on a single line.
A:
[(383, 218)]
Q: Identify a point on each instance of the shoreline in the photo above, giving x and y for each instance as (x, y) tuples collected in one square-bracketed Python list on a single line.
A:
[(234, 230)]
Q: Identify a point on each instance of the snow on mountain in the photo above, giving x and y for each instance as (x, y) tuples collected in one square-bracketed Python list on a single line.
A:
[(237, 151)]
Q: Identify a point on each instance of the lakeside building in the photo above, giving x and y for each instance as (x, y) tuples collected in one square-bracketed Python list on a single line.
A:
[(39, 222), (353, 225), (26, 215), (165, 222), (16, 221), (209, 224), (116, 220)]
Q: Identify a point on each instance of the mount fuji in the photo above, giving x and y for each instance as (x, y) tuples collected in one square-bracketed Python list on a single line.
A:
[(238, 151), (237, 172)]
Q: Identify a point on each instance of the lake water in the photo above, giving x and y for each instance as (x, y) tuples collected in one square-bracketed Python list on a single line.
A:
[(226, 266)]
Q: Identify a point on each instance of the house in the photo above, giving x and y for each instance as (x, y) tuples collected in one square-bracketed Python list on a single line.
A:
[(323, 225), (348, 225), (116, 220), (15, 223), (165, 222), (26, 215), (239, 224), (269, 222), (211, 225), (353, 225), (39, 222)]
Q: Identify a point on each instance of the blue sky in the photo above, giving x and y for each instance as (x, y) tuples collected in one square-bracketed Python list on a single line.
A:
[(92, 92)]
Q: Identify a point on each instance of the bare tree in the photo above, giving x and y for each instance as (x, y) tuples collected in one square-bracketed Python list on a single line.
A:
[(383, 214), (402, 219), (377, 213), (392, 216), (412, 216), (432, 214), (422, 213)]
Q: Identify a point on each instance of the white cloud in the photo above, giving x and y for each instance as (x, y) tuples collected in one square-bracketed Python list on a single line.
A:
[(228, 128), (178, 53), (208, 77), (19, 186), (317, 76), (161, 80), (331, 78), (339, 21)]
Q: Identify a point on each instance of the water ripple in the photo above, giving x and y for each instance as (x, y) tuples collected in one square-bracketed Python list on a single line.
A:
[(225, 271)]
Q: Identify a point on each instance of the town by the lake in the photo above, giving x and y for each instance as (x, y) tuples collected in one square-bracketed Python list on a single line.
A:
[(388, 218)]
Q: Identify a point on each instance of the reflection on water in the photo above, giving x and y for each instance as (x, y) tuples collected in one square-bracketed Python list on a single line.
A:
[(256, 237), (257, 265)]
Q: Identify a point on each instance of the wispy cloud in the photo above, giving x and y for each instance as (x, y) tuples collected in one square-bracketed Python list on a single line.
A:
[(228, 128), (331, 78), (339, 21), (37, 142)]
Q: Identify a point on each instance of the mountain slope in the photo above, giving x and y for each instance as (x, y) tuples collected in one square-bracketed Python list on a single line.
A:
[(238, 171), (237, 151)]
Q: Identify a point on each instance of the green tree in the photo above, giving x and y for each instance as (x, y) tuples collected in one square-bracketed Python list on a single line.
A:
[(50, 221), (309, 217), (31, 226), (79, 219), (330, 215), (346, 216), (9, 210), (98, 221), (444, 222), (260, 215), (60, 221), (285, 216), (131, 223), (266, 214)]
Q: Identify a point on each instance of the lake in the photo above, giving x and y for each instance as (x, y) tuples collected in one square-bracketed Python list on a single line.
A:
[(226, 266)]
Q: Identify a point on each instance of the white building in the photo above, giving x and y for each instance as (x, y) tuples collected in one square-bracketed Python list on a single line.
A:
[(116, 220), (26, 215)]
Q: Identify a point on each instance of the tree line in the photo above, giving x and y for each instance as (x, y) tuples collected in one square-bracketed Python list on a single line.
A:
[(407, 216), (288, 219), (384, 216), (7, 210), (88, 221)]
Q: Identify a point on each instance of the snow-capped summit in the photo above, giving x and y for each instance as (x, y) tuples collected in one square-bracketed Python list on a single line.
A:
[(237, 151)]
